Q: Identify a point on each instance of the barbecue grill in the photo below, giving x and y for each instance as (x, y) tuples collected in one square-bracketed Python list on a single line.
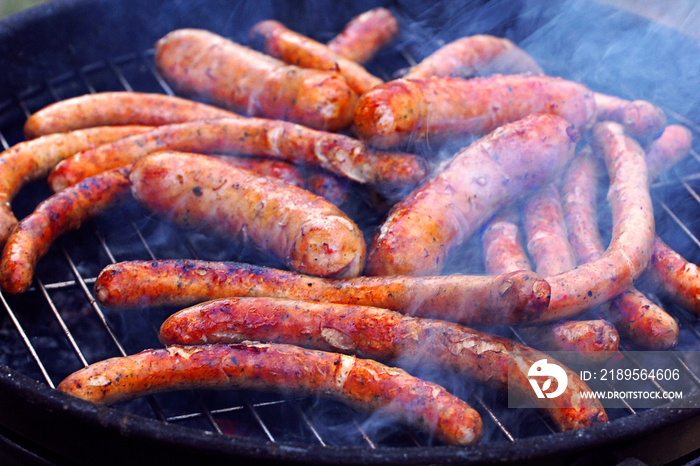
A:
[(68, 48)]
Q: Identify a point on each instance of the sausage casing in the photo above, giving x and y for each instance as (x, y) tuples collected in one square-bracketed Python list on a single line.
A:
[(365, 35), (362, 383)]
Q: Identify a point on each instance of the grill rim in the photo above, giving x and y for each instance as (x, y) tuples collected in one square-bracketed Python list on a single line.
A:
[(105, 416)]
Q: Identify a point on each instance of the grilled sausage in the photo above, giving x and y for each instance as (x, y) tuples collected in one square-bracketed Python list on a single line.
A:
[(365, 35), (500, 299), (636, 317), (32, 160), (266, 166), (62, 212), (590, 341), (424, 227), (337, 153), (239, 78), (115, 109), (383, 335), (477, 55), (333, 188), (297, 49), (670, 148), (677, 277), (545, 232), (628, 254), (303, 230), (404, 111), (362, 383), (640, 118)]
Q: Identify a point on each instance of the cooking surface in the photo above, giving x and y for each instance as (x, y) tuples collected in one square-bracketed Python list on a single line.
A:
[(57, 327)]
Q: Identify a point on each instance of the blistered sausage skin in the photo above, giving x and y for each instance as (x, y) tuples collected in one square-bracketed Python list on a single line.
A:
[(244, 80), (589, 341), (365, 35), (640, 118), (306, 232), (340, 154), (636, 317), (32, 160), (629, 251), (62, 212), (404, 111), (362, 383), (489, 299), (382, 335), (116, 109), (422, 229), (477, 55), (297, 49)]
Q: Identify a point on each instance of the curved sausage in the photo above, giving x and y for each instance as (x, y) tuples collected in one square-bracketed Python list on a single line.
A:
[(362, 383), (239, 78), (502, 243), (62, 212), (629, 252), (636, 317), (640, 118), (266, 166), (403, 111), (678, 277), (306, 232), (490, 300), (115, 109), (365, 35), (297, 49), (32, 160), (477, 55), (383, 335), (425, 226), (337, 153), (668, 149)]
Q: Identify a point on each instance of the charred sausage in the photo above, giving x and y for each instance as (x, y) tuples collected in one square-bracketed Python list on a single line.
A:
[(267, 166), (424, 227), (31, 160), (379, 334), (500, 299), (62, 212), (303, 230), (362, 383), (115, 109), (477, 55), (247, 81), (678, 277), (365, 35), (337, 153), (404, 111), (297, 49)]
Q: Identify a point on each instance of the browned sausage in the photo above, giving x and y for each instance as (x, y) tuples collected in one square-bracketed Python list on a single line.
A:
[(477, 55), (299, 50), (62, 212), (635, 316), (334, 188), (337, 153), (247, 81), (640, 118), (362, 383), (365, 35), (306, 232), (678, 277), (404, 110), (545, 232), (590, 341), (383, 335), (489, 299), (32, 160), (117, 108), (424, 227), (628, 254)]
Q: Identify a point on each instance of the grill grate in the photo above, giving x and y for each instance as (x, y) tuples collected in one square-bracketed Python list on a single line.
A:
[(57, 326)]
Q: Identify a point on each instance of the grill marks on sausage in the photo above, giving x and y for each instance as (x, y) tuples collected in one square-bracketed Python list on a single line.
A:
[(362, 383)]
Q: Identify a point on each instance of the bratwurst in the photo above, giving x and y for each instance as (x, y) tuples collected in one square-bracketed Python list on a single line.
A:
[(306, 232)]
